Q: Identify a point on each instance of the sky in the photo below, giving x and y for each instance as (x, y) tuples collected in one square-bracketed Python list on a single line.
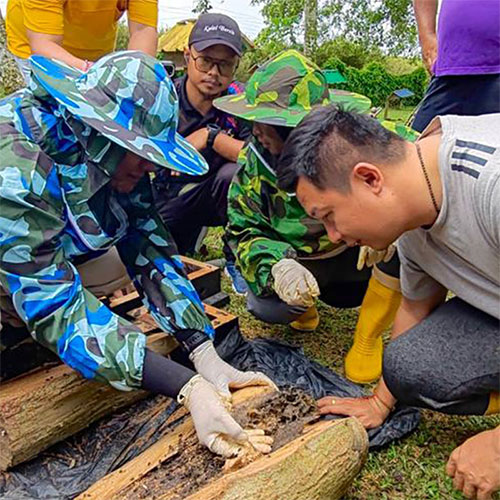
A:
[(170, 11)]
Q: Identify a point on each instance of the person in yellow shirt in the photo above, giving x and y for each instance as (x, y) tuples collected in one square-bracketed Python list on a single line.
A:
[(77, 32)]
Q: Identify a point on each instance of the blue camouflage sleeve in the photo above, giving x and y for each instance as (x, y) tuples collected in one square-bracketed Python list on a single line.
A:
[(47, 292), (151, 259)]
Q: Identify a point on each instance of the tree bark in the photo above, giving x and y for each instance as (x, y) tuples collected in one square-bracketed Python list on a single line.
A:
[(310, 27)]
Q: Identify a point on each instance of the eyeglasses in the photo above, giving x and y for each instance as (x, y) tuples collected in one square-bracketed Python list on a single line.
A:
[(205, 64)]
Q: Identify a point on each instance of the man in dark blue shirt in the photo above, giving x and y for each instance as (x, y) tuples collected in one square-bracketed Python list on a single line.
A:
[(189, 204)]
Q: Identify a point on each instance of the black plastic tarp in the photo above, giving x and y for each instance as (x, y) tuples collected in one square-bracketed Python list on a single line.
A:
[(70, 467)]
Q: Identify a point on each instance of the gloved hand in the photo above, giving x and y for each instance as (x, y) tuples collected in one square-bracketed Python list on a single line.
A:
[(369, 256), (214, 426), (221, 374), (294, 284)]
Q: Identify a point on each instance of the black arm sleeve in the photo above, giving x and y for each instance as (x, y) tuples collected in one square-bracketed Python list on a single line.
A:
[(164, 376)]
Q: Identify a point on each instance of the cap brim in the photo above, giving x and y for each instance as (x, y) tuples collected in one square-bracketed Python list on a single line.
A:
[(205, 44), (60, 81), (272, 114)]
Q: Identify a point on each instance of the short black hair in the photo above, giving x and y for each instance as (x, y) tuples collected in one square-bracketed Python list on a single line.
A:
[(329, 142)]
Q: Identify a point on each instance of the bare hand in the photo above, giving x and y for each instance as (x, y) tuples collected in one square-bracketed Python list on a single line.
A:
[(370, 411), (198, 138), (475, 465), (429, 52)]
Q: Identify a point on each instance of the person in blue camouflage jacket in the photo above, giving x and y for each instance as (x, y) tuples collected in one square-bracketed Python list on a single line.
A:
[(76, 150)]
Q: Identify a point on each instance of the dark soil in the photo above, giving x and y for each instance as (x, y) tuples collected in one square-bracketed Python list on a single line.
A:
[(282, 415)]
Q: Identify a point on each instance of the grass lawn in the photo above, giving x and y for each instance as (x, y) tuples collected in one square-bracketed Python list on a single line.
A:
[(410, 469), (400, 114)]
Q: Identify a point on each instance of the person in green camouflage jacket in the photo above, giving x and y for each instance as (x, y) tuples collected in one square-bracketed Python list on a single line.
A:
[(76, 150), (284, 255)]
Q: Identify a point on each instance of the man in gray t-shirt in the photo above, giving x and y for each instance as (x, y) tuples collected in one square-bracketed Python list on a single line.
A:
[(460, 250), (440, 197)]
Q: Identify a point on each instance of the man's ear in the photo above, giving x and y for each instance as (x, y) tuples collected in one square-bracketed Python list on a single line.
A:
[(368, 174), (186, 55)]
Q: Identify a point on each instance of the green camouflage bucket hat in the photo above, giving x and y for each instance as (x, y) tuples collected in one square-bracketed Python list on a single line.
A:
[(402, 130), (284, 90), (127, 97)]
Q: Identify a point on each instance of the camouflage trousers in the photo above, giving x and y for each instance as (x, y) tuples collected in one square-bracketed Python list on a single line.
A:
[(18, 351)]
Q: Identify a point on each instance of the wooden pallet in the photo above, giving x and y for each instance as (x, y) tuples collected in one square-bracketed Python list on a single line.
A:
[(204, 277)]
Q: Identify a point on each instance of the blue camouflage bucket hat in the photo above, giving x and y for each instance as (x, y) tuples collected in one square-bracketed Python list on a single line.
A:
[(129, 98)]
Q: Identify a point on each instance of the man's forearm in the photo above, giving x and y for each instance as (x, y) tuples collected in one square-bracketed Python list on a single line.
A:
[(163, 376), (412, 312), (425, 14), (405, 319), (228, 146), (144, 39), (50, 46)]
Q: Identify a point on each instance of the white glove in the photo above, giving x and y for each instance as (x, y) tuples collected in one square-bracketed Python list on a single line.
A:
[(294, 284), (369, 256), (214, 426), (221, 374)]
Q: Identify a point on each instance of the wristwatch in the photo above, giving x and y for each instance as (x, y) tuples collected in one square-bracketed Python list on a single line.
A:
[(213, 130)]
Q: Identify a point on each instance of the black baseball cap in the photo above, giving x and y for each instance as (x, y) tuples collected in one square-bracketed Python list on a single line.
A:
[(215, 29)]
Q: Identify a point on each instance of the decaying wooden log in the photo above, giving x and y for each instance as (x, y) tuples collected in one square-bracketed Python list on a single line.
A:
[(318, 465), (45, 407), (112, 485)]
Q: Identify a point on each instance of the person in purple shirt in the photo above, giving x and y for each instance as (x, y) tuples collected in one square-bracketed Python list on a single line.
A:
[(463, 58)]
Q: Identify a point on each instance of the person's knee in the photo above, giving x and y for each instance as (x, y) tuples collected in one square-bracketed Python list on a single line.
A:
[(403, 370), (225, 175), (271, 310)]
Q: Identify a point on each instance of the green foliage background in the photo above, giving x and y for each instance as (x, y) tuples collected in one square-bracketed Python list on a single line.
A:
[(376, 82)]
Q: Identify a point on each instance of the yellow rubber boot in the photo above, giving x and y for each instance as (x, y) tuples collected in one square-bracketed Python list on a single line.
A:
[(363, 363), (494, 405), (308, 321)]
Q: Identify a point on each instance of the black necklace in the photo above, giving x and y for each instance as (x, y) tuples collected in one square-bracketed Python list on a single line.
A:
[(429, 185)]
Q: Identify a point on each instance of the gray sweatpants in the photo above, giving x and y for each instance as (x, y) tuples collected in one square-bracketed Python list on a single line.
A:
[(450, 362)]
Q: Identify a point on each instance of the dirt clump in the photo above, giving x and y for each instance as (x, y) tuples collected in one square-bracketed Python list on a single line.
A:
[(282, 415)]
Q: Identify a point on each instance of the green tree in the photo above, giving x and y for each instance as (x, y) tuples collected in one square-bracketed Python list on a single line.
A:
[(10, 77), (122, 36), (353, 54), (202, 6), (386, 24)]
